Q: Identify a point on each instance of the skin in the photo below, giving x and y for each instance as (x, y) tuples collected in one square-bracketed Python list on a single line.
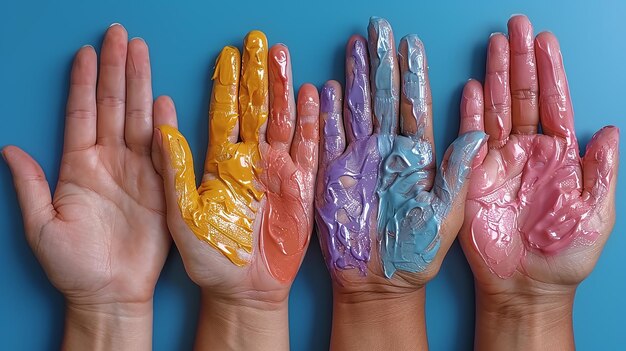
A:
[(525, 280), (244, 306), (373, 308), (102, 238)]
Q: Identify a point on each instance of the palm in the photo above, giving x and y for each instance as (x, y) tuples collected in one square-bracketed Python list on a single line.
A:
[(103, 237), (254, 206), (380, 202), (536, 212), (98, 196)]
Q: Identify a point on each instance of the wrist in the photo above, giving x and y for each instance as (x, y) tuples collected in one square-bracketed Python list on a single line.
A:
[(113, 326), (529, 320), (242, 324), (378, 321)]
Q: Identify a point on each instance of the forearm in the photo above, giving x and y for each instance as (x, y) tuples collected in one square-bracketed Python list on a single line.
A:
[(379, 322), (250, 325), (108, 327), (524, 323)]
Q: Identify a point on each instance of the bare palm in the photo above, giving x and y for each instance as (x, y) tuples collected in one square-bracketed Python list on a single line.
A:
[(103, 237), (252, 215), (536, 212)]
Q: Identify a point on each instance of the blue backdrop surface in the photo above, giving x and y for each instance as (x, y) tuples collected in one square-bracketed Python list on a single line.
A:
[(37, 43)]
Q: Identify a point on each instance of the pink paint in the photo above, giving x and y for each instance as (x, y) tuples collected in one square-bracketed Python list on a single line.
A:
[(537, 202)]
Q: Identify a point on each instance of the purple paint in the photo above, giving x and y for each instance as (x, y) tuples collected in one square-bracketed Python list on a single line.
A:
[(345, 207)]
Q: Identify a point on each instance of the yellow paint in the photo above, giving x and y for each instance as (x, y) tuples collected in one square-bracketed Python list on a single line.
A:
[(222, 211)]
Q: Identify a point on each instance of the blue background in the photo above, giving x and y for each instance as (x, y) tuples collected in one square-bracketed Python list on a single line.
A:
[(37, 43)]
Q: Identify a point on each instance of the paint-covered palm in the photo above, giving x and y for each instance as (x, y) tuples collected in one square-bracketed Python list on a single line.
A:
[(536, 212), (381, 206), (244, 232)]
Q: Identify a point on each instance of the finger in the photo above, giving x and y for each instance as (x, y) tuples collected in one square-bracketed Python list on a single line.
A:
[(333, 135), (472, 112), (357, 105), (497, 93), (253, 89), (416, 99), (33, 192), (600, 165), (524, 85), (138, 126), (472, 107), (282, 120), (385, 76), (456, 167), (164, 115), (555, 105), (215, 218), (111, 93), (80, 119), (223, 112), (304, 149)]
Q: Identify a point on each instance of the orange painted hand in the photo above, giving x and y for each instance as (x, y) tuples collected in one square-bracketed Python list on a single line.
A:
[(246, 228)]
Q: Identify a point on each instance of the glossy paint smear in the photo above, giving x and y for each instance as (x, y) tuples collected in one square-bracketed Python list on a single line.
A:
[(409, 216), (222, 211), (538, 196), (286, 223), (547, 213), (345, 211)]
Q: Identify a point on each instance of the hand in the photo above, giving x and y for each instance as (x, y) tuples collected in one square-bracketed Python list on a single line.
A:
[(242, 235), (102, 240), (537, 215), (367, 172), (381, 173)]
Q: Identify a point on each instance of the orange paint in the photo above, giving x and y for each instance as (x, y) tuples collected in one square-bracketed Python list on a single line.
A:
[(286, 224), (222, 211), (216, 213), (240, 174)]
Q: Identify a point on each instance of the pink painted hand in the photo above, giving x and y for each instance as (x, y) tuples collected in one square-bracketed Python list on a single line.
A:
[(537, 215), (102, 239), (243, 234)]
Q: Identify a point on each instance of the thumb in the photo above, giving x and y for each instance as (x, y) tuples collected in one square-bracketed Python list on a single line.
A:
[(33, 191), (456, 167), (174, 162), (600, 165)]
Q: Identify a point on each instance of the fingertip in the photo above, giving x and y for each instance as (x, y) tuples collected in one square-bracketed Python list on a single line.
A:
[(116, 35), (472, 107), (547, 44), (164, 111), (279, 49), (255, 39), (116, 29), (330, 96), (308, 100), (165, 102), (498, 45), (138, 45)]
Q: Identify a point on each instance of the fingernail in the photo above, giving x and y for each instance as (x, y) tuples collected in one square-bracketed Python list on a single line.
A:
[(86, 46), (517, 14), (138, 38), (328, 97), (494, 34), (114, 24)]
